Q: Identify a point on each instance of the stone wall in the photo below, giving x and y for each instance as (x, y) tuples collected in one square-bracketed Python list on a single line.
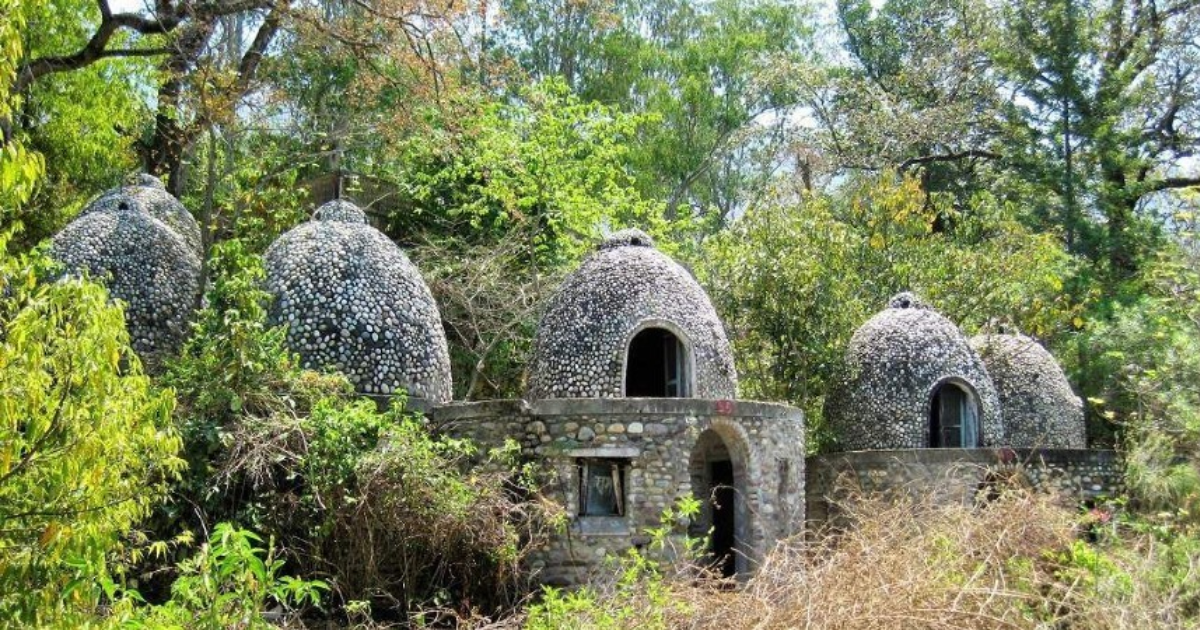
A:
[(655, 441), (956, 475)]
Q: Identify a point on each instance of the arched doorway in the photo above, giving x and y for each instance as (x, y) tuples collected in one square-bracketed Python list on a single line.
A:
[(954, 416), (656, 365), (718, 481)]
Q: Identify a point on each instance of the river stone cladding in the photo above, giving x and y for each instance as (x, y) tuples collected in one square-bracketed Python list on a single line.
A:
[(143, 262), (1040, 410), (881, 398), (658, 436), (353, 302), (148, 194), (627, 285)]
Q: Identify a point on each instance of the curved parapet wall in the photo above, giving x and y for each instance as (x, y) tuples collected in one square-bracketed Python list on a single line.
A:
[(894, 364), (957, 475), (1040, 410), (625, 287), (660, 450)]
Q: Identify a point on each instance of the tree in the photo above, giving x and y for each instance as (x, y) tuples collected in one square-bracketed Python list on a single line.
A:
[(1107, 115), (86, 444), (549, 166), (708, 72), (917, 94)]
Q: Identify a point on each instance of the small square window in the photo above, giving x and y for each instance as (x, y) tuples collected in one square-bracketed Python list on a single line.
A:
[(602, 486)]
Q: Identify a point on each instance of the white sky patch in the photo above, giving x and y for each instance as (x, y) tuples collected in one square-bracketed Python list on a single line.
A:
[(131, 6)]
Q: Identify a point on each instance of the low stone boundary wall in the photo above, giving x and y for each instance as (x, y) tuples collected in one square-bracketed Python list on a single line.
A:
[(957, 475)]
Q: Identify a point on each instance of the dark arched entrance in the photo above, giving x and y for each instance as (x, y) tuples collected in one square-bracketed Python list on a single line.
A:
[(718, 479), (954, 417), (656, 365)]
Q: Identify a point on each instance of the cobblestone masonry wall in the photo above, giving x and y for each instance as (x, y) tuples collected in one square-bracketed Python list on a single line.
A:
[(658, 439), (956, 475)]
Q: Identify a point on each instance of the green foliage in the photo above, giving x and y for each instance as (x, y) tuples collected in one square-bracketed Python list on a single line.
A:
[(86, 443), (20, 167), (549, 166), (794, 279), (711, 75), (229, 583), (1138, 369), (641, 596)]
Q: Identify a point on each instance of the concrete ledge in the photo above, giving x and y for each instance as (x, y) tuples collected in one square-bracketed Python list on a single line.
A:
[(983, 456)]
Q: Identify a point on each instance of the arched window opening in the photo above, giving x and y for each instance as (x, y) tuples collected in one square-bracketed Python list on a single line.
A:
[(953, 418), (656, 366)]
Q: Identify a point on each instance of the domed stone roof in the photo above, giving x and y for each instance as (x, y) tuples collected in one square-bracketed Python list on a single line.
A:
[(895, 366), (143, 262), (622, 289), (148, 194), (1040, 410), (353, 302)]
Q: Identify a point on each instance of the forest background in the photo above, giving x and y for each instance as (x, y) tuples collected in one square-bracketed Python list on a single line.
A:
[(1027, 164)]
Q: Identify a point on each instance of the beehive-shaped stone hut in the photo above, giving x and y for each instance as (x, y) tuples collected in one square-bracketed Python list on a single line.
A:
[(1040, 410), (353, 302), (631, 322), (137, 240), (911, 380)]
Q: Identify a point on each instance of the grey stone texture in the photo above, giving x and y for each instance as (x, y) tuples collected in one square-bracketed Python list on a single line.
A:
[(147, 194), (881, 397), (127, 239), (948, 476), (353, 302), (1040, 410), (667, 444), (625, 286)]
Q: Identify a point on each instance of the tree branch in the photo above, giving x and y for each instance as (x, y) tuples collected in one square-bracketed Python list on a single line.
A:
[(948, 157)]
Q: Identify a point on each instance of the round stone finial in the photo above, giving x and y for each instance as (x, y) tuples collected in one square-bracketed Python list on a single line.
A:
[(340, 210), (904, 367), (906, 299), (354, 303), (1040, 410), (630, 322), (631, 237), (145, 179)]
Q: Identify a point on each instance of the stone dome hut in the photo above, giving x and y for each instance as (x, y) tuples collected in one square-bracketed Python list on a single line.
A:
[(137, 250), (148, 194), (1040, 410), (911, 380), (631, 322), (354, 302)]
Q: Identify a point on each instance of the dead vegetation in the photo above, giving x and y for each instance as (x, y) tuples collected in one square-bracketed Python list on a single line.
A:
[(1018, 561)]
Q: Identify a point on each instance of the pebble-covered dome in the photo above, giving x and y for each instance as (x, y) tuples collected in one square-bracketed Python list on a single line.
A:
[(895, 365), (353, 302), (142, 261), (624, 288), (147, 193), (1040, 410)]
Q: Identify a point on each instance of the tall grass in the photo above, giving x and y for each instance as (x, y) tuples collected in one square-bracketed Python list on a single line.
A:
[(1020, 561)]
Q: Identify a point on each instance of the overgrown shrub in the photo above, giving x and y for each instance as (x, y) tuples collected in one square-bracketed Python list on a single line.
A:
[(86, 443), (368, 500)]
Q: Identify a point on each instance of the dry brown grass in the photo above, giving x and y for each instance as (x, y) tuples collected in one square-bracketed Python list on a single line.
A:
[(1015, 562)]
